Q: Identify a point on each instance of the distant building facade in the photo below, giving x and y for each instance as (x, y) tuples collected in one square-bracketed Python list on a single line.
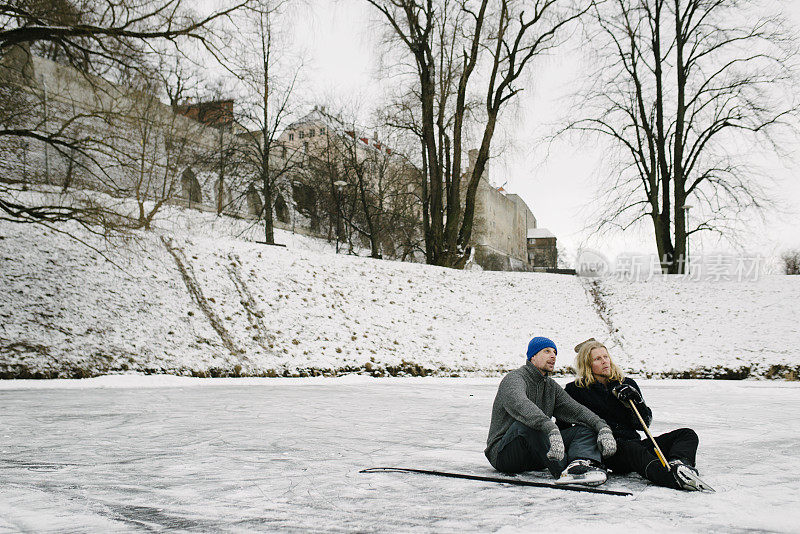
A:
[(502, 228), (542, 249)]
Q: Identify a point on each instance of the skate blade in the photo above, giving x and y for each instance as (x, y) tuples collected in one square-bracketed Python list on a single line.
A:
[(591, 480), (697, 483), (703, 486)]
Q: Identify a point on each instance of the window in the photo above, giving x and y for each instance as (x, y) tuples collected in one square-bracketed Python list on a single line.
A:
[(281, 209), (311, 132), (305, 146), (254, 205), (302, 134), (191, 187), (322, 131), (291, 137)]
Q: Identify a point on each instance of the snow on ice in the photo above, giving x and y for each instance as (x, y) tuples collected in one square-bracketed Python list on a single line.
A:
[(236, 455)]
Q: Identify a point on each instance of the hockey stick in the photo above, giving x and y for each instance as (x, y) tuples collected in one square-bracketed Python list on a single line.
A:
[(500, 480), (649, 435)]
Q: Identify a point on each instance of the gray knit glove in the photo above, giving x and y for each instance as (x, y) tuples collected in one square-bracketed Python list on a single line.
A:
[(606, 442), (556, 452)]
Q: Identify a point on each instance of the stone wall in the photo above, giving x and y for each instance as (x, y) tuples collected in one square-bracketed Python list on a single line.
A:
[(115, 125), (120, 131), (500, 226)]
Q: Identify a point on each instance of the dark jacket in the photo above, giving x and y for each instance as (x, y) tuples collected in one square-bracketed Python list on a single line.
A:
[(599, 399)]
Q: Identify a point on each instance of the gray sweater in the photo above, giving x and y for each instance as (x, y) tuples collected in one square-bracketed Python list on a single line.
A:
[(528, 396)]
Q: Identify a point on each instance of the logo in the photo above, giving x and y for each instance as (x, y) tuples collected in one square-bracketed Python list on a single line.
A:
[(592, 264)]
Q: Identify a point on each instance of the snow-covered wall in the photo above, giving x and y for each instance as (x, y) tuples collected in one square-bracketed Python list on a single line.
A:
[(198, 302)]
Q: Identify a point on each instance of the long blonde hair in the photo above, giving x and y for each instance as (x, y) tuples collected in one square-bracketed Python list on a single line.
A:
[(583, 364)]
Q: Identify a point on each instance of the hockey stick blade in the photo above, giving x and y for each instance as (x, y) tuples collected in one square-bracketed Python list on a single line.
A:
[(500, 480)]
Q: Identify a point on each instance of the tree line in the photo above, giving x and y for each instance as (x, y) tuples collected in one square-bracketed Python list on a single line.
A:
[(684, 94)]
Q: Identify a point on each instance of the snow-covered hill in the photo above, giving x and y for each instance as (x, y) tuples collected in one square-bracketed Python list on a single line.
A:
[(195, 301), (670, 326)]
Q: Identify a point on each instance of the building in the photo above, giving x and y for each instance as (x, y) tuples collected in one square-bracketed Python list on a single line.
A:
[(364, 192), (502, 230), (216, 113), (542, 249)]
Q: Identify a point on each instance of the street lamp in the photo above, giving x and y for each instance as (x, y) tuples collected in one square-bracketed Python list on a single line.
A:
[(339, 184), (686, 208)]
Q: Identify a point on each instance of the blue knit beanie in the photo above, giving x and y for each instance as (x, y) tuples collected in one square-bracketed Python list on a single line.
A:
[(539, 343)]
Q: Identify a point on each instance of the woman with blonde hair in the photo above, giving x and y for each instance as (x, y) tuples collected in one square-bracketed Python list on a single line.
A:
[(601, 386)]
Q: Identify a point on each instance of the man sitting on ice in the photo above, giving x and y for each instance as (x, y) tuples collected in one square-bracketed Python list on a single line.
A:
[(602, 387), (523, 436)]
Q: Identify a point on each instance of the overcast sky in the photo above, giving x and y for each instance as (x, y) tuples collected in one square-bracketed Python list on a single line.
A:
[(341, 38)]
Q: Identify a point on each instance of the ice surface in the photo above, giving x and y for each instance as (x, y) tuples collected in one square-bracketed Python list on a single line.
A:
[(179, 454)]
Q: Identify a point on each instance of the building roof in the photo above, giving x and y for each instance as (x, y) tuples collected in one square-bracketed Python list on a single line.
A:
[(318, 115), (536, 233)]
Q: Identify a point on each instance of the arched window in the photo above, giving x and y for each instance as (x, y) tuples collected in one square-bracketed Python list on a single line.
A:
[(191, 187), (305, 201), (254, 204), (281, 209)]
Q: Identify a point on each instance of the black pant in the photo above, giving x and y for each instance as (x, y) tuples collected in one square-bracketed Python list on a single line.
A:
[(640, 456), (525, 449)]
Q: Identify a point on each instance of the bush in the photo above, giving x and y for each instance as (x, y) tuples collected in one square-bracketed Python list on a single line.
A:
[(791, 261)]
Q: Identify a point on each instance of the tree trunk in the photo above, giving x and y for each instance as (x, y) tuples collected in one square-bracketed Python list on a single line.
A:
[(426, 217), (267, 189), (679, 180), (269, 230)]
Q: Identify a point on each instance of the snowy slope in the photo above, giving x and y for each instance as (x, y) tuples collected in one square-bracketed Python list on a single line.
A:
[(280, 310), (668, 325), (190, 299)]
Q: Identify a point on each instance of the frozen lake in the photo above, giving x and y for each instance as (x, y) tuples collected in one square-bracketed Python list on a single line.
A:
[(158, 453)]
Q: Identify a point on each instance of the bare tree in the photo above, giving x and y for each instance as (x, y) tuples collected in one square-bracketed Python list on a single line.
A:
[(791, 261), (323, 172), (367, 188), (109, 37), (381, 189), (41, 133), (364, 167), (462, 49), (270, 84), (684, 90), (179, 78), (156, 156), (103, 30)]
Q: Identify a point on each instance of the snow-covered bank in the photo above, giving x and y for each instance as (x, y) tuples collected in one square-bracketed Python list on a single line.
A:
[(672, 327), (195, 302)]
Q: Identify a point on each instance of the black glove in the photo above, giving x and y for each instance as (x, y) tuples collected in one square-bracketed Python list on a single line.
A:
[(626, 392)]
